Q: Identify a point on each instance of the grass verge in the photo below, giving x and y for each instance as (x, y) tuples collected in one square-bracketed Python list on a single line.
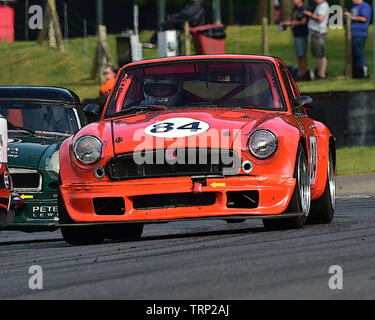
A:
[(358, 160)]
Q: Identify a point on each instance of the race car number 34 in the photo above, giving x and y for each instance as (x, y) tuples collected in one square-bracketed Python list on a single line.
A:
[(177, 128)]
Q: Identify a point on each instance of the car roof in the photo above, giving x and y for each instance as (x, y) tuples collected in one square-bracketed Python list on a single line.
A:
[(222, 57), (38, 94)]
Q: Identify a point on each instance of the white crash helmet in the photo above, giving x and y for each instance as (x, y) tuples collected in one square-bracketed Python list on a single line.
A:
[(163, 90)]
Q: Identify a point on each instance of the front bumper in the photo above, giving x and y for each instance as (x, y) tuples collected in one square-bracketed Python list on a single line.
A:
[(274, 195), (8, 209), (39, 212)]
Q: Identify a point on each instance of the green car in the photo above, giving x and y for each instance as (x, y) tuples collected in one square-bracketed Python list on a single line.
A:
[(39, 120)]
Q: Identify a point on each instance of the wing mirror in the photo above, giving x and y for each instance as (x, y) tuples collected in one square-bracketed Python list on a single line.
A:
[(92, 112), (303, 102), (92, 109)]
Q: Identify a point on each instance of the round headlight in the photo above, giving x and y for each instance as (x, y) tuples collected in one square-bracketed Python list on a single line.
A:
[(6, 180), (88, 150), (53, 165), (263, 144)]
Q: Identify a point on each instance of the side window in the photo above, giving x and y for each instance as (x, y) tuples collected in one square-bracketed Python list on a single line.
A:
[(292, 84), (134, 92), (289, 84)]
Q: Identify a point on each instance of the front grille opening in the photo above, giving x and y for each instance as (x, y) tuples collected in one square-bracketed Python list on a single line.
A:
[(174, 200), (26, 180), (243, 199), (109, 206), (189, 162)]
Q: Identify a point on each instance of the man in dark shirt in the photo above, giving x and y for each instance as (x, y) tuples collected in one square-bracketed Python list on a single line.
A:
[(193, 12), (360, 14), (298, 23)]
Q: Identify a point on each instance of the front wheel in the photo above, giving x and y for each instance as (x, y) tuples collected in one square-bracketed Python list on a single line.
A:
[(301, 198), (76, 235)]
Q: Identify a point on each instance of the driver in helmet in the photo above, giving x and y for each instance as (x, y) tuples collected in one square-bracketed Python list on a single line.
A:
[(165, 91)]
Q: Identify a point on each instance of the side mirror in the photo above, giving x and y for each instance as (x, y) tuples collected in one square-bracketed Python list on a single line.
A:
[(92, 112), (303, 101), (92, 109)]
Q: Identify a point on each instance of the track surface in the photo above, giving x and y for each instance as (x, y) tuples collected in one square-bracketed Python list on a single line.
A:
[(201, 260)]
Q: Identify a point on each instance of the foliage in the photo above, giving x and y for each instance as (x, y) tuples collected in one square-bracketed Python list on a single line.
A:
[(355, 160)]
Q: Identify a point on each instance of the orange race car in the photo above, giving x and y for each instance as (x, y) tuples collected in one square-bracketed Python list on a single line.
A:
[(202, 137)]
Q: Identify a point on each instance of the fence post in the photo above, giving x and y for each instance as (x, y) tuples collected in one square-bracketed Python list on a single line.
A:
[(265, 44), (271, 12), (216, 11), (187, 38), (348, 48), (103, 55), (51, 27)]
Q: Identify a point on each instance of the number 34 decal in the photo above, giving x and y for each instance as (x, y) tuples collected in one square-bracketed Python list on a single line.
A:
[(177, 128)]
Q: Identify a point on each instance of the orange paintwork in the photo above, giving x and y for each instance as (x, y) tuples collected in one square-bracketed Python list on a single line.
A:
[(273, 178)]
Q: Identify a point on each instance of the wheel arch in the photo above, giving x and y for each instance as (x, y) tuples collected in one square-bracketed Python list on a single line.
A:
[(332, 149)]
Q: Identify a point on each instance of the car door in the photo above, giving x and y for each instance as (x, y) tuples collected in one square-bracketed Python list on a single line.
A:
[(305, 123)]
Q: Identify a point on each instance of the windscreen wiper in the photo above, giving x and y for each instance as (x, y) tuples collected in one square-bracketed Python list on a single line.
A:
[(142, 108), (208, 104), (11, 126)]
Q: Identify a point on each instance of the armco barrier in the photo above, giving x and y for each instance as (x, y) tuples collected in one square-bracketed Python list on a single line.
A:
[(349, 115)]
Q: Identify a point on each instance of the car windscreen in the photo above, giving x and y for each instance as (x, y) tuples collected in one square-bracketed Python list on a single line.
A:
[(39, 118), (190, 84)]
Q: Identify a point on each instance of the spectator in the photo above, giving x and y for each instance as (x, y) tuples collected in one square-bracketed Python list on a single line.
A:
[(277, 10), (193, 12), (360, 14), (109, 83), (318, 28), (298, 23)]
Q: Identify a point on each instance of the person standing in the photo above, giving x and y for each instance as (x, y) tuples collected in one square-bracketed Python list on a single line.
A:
[(298, 23), (193, 12), (110, 79), (360, 14), (318, 28)]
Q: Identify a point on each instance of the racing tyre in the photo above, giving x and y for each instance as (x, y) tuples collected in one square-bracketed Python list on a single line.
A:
[(301, 198), (323, 209), (123, 232), (76, 235)]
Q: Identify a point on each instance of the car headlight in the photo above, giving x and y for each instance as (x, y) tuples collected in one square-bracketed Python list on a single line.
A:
[(263, 144), (6, 180), (53, 165), (88, 150)]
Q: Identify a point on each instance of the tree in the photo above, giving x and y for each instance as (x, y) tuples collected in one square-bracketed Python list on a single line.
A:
[(264, 9), (231, 12), (286, 9)]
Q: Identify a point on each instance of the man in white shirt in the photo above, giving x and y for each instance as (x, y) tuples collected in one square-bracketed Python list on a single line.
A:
[(318, 28)]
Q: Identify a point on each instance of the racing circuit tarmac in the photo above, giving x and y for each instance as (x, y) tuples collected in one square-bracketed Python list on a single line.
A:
[(202, 260)]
